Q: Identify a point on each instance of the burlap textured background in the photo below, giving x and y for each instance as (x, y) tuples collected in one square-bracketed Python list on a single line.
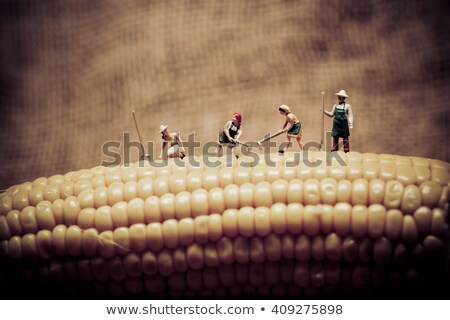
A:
[(72, 71)]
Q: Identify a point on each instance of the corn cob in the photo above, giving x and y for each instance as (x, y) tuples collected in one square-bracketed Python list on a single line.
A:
[(374, 226)]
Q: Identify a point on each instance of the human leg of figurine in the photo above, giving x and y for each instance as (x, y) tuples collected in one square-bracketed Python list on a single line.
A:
[(346, 144), (300, 144), (286, 145), (174, 151), (234, 151), (219, 149), (171, 152), (335, 144)]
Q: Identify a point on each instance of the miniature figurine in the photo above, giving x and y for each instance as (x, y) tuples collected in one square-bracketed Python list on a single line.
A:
[(175, 148), (292, 126), (342, 122), (230, 134)]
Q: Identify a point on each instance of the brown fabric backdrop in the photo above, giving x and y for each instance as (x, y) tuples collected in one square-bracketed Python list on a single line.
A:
[(72, 71)]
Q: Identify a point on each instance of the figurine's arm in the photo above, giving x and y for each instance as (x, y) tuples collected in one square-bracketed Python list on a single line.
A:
[(289, 122), (350, 116), (180, 143), (163, 147), (330, 113), (226, 130), (239, 134)]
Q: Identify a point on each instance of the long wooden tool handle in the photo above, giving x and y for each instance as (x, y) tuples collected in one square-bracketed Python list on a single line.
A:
[(323, 120), (242, 143), (272, 136), (138, 133)]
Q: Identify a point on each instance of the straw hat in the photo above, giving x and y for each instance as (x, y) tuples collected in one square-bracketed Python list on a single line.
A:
[(162, 128), (342, 93), (285, 108)]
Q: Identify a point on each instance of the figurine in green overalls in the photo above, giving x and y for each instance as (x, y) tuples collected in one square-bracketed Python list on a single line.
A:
[(342, 122), (292, 126)]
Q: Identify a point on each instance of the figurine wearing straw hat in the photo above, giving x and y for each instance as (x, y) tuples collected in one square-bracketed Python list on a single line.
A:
[(342, 122), (292, 126), (171, 142)]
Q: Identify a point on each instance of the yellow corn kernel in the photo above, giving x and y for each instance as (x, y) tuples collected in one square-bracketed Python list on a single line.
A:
[(231, 231)]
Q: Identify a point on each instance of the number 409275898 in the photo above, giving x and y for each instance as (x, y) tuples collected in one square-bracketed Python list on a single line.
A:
[(307, 309)]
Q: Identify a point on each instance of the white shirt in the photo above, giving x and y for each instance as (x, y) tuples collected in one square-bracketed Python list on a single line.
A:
[(348, 112)]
